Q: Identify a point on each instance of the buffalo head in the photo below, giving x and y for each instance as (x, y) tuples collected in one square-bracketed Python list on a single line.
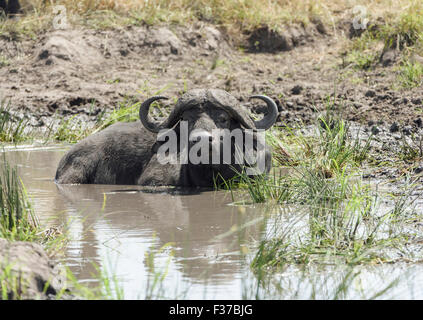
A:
[(210, 135)]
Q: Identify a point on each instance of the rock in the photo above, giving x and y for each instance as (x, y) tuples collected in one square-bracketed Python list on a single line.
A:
[(388, 57), (418, 122), (37, 276), (264, 39), (382, 97), (394, 127), (407, 130), (278, 103), (36, 122), (320, 27), (63, 47), (370, 93), (375, 130), (297, 89), (297, 36), (213, 37), (415, 58), (284, 114), (418, 169), (166, 39), (357, 105), (400, 101), (416, 101)]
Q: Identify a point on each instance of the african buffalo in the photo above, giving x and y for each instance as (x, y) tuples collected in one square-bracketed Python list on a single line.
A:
[(127, 153)]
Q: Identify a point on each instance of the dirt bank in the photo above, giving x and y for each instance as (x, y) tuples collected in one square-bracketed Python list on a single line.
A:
[(27, 272), (80, 71)]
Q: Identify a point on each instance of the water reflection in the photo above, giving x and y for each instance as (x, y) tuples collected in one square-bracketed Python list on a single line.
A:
[(191, 222), (121, 223)]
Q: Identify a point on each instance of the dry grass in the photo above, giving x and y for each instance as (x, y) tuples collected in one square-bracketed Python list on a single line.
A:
[(235, 15), (240, 13)]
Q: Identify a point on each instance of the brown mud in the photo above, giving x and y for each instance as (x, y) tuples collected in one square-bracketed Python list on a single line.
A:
[(80, 71), (36, 276)]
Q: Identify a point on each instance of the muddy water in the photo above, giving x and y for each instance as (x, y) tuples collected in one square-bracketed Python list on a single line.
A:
[(201, 242), (116, 226)]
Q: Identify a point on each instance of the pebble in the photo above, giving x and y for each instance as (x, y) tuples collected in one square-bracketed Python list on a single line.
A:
[(400, 101), (394, 128), (416, 101), (388, 57), (418, 122), (297, 89), (370, 93), (418, 170), (375, 130), (406, 130)]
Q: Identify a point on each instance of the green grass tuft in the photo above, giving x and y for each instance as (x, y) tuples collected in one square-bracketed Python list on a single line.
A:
[(17, 219), (410, 74), (406, 30), (12, 129)]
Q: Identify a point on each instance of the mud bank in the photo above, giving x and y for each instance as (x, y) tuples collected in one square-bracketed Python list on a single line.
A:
[(81, 72), (27, 272)]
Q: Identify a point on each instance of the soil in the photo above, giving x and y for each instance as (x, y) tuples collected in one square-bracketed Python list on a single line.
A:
[(36, 276), (66, 71)]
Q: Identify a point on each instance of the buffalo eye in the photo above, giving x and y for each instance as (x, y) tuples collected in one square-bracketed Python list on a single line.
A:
[(223, 119)]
